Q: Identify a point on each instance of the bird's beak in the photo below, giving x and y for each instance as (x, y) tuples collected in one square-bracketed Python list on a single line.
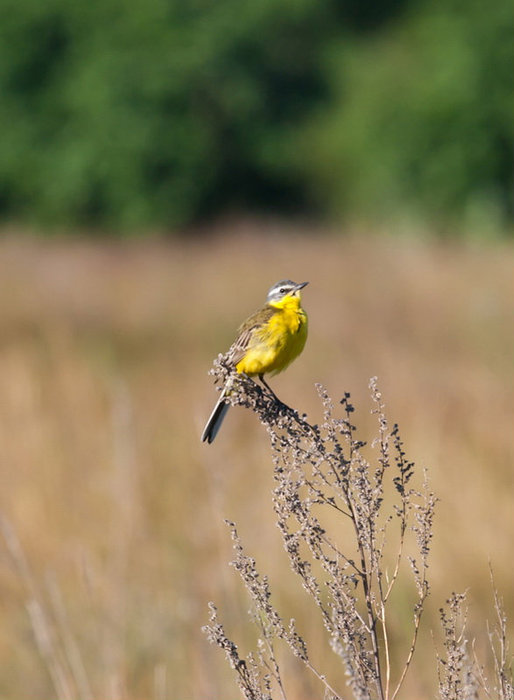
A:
[(300, 286)]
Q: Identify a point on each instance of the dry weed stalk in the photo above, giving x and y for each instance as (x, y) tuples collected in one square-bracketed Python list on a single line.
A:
[(461, 675), (320, 470), (502, 685), (53, 636), (456, 673)]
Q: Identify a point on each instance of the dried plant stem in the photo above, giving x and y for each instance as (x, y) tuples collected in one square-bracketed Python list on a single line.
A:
[(323, 468), (45, 635)]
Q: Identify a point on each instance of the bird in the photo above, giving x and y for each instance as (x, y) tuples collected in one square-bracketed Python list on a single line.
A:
[(266, 343)]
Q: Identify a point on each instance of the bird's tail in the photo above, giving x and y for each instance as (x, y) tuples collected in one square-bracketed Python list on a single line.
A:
[(216, 419)]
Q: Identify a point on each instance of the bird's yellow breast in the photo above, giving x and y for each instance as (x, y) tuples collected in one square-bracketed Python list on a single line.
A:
[(279, 340)]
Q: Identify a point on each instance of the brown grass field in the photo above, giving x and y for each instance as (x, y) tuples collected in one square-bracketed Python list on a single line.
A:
[(112, 508)]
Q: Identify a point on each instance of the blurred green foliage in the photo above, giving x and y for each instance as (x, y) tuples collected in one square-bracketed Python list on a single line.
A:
[(122, 114), (422, 119)]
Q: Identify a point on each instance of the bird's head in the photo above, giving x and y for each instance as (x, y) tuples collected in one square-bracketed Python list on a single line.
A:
[(283, 290)]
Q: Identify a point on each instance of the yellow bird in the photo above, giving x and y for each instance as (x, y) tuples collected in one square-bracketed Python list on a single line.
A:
[(267, 342)]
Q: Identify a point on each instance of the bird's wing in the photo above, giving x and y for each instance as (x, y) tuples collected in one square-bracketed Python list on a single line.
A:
[(246, 333)]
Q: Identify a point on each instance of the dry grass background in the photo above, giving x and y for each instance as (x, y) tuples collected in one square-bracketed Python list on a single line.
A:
[(118, 507)]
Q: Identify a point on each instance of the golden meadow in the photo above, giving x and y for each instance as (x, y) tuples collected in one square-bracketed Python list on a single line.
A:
[(112, 509)]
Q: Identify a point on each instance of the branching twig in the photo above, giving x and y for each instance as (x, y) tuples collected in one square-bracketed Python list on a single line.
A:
[(318, 468)]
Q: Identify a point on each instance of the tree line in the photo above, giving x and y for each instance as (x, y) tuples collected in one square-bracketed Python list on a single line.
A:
[(121, 114)]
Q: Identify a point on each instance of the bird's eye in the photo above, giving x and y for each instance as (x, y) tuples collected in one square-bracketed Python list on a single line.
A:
[(283, 290)]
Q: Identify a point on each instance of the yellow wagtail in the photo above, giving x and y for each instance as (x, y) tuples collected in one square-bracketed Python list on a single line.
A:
[(267, 342)]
